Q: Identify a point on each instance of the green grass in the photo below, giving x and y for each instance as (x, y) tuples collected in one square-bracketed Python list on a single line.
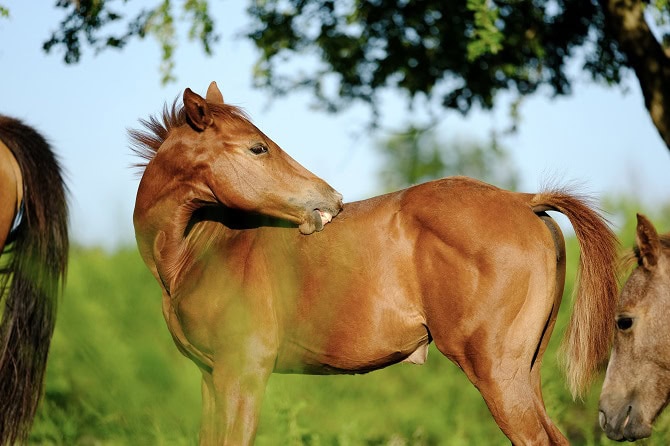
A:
[(116, 378), (114, 375)]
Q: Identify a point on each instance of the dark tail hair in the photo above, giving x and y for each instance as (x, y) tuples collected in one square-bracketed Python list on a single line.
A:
[(589, 335), (32, 279)]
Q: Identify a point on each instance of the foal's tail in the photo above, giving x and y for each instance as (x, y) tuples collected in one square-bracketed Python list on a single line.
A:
[(590, 331), (32, 273)]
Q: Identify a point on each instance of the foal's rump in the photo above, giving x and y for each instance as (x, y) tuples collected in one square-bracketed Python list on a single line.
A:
[(515, 225), (490, 265)]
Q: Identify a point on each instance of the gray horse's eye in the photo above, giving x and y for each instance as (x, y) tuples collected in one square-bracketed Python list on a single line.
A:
[(624, 323)]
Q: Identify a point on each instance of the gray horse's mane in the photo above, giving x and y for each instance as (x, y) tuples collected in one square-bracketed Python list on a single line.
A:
[(630, 257)]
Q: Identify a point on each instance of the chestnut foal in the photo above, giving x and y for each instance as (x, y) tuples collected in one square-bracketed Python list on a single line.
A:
[(232, 228)]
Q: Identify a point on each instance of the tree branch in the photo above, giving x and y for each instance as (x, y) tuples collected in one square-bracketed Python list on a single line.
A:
[(625, 20)]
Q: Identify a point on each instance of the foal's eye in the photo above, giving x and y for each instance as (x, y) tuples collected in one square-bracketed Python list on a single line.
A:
[(259, 149), (624, 323)]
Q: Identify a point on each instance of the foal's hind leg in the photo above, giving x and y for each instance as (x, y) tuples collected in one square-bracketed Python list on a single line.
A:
[(507, 389), (509, 380), (554, 433), (535, 373), (502, 359)]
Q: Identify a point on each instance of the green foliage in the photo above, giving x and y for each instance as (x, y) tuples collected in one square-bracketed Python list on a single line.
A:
[(459, 52), (487, 37), (88, 22), (116, 378), (161, 25), (202, 24), (4, 12), (470, 49), (660, 11), (415, 155)]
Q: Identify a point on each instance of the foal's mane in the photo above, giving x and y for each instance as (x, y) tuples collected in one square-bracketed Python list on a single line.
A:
[(146, 142)]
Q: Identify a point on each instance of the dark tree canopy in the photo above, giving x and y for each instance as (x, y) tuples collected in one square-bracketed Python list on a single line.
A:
[(459, 50), (462, 52), (457, 53)]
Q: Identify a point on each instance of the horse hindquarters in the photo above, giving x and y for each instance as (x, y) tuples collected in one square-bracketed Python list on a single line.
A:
[(494, 311)]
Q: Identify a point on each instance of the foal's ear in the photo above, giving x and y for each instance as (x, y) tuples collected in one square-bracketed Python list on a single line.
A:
[(197, 111), (214, 95), (648, 243)]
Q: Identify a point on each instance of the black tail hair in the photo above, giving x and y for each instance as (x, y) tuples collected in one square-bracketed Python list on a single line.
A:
[(31, 281)]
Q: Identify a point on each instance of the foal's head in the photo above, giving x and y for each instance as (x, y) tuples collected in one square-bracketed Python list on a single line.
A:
[(214, 149), (637, 383)]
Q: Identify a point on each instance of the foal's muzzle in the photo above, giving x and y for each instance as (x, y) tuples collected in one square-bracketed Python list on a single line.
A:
[(321, 212)]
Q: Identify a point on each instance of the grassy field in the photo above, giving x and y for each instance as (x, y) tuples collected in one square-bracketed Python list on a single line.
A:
[(116, 378)]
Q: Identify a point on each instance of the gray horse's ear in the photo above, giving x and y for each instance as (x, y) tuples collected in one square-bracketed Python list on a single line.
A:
[(648, 243), (197, 111), (214, 95)]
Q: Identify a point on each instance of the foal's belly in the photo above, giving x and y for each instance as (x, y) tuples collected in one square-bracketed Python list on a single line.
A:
[(353, 339), (296, 357)]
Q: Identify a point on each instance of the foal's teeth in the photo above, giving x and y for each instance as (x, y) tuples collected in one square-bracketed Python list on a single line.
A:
[(326, 217)]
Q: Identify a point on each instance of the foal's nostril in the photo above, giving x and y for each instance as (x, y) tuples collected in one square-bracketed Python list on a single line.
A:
[(627, 419), (602, 418)]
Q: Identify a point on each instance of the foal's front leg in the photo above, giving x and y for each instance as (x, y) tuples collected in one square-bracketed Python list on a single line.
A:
[(232, 395)]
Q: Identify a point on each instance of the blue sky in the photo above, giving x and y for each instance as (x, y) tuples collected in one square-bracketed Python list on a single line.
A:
[(600, 137)]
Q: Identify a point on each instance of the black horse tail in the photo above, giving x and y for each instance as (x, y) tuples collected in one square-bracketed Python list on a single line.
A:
[(34, 267)]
